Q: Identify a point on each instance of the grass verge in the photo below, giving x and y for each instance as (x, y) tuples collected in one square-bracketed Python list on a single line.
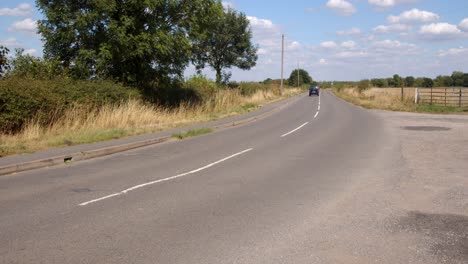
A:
[(192, 133), (81, 125)]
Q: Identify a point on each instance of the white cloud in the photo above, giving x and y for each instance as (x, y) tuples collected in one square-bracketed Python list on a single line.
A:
[(266, 34), (26, 25), (350, 32), (10, 43), (384, 4), (387, 44), (414, 16), (261, 51), (460, 51), (227, 5), (343, 7), (351, 54), (322, 61), (463, 25), (348, 44), (260, 23), (440, 31), (329, 45), (30, 52), (294, 46), (395, 28), (20, 10)]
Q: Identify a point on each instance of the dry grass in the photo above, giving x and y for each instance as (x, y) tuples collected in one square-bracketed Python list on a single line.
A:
[(81, 125), (390, 99), (380, 98)]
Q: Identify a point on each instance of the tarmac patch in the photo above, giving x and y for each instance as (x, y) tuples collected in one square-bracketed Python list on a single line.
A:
[(81, 190), (448, 233), (426, 128)]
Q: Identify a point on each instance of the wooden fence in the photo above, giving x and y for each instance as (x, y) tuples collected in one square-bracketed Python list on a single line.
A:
[(452, 96)]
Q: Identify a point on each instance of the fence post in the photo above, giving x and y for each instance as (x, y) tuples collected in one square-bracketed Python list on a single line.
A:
[(431, 95), (445, 97), (416, 95), (459, 98)]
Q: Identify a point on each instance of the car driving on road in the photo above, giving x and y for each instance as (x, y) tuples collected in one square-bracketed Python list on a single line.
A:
[(314, 90)]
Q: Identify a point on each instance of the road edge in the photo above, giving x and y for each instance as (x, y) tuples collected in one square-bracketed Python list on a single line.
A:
[(100, 152)]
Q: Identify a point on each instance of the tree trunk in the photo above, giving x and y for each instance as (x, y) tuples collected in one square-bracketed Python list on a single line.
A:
[(218, 76)]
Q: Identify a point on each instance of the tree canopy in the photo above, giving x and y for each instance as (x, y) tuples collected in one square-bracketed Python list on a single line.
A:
[(227, 43), (304, 78), (129, 41), (3, 59)]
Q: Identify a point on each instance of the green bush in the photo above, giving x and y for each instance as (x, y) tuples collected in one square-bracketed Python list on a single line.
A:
[(24, 99), (363, 85), (202, 86), (249, 88)]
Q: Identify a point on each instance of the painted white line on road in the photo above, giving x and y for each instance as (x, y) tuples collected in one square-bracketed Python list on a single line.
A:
[(165, 179), (290, 132), (316, 114)]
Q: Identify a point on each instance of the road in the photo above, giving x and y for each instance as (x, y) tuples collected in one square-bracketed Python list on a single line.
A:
[(321, 181)]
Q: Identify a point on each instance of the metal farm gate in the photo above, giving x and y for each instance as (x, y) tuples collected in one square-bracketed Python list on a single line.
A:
[(455, 97)]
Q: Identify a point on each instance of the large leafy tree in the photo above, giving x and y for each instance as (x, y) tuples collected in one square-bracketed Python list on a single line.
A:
[(131, 41), (227, 43), (303, 78), (3, 60)]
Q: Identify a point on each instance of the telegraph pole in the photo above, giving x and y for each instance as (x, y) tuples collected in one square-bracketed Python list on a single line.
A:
[(297, 73), (282, 63)]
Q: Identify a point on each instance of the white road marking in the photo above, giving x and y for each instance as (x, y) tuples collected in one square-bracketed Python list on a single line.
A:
[(290, 132), (165, 179), (318, 108)]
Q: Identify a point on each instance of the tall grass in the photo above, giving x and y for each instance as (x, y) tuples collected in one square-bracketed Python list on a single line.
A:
[(82, 124), (389, 99)]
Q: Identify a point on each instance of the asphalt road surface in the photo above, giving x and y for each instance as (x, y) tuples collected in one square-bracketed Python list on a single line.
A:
[(321, 181)]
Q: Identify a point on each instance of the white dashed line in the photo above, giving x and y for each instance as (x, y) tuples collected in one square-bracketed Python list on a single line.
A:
[(290, 132), (165, 179)]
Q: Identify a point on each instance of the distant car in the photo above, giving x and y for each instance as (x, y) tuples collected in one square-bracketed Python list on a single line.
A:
[(314, 90)]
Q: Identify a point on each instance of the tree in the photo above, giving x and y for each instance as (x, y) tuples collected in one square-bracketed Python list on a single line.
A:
[(379, 83), (363, 85), (397, 81), (130, 41), (427, 82), (443, 81), (465, 80), (227, 44), (3, 60), (409, 81), (457, 78), (304, 78)]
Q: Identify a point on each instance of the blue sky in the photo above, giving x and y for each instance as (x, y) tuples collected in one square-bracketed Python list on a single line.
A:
[(331, 39)]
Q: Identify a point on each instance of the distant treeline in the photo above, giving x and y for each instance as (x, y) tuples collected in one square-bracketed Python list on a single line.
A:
[(458, 79)]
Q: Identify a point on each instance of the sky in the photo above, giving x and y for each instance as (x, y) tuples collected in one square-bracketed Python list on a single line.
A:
[(330, 39)]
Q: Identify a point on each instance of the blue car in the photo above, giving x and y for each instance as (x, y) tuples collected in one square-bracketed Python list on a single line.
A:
[(314, 90)]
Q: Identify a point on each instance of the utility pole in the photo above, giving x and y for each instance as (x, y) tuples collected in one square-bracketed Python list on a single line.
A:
[(282, 63), (298, 74)]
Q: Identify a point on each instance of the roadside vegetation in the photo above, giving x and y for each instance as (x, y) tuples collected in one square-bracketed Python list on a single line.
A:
[(115, 69), (43, 119)]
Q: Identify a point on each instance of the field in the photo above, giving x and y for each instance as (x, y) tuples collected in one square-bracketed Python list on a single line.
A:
[(390, 99)]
